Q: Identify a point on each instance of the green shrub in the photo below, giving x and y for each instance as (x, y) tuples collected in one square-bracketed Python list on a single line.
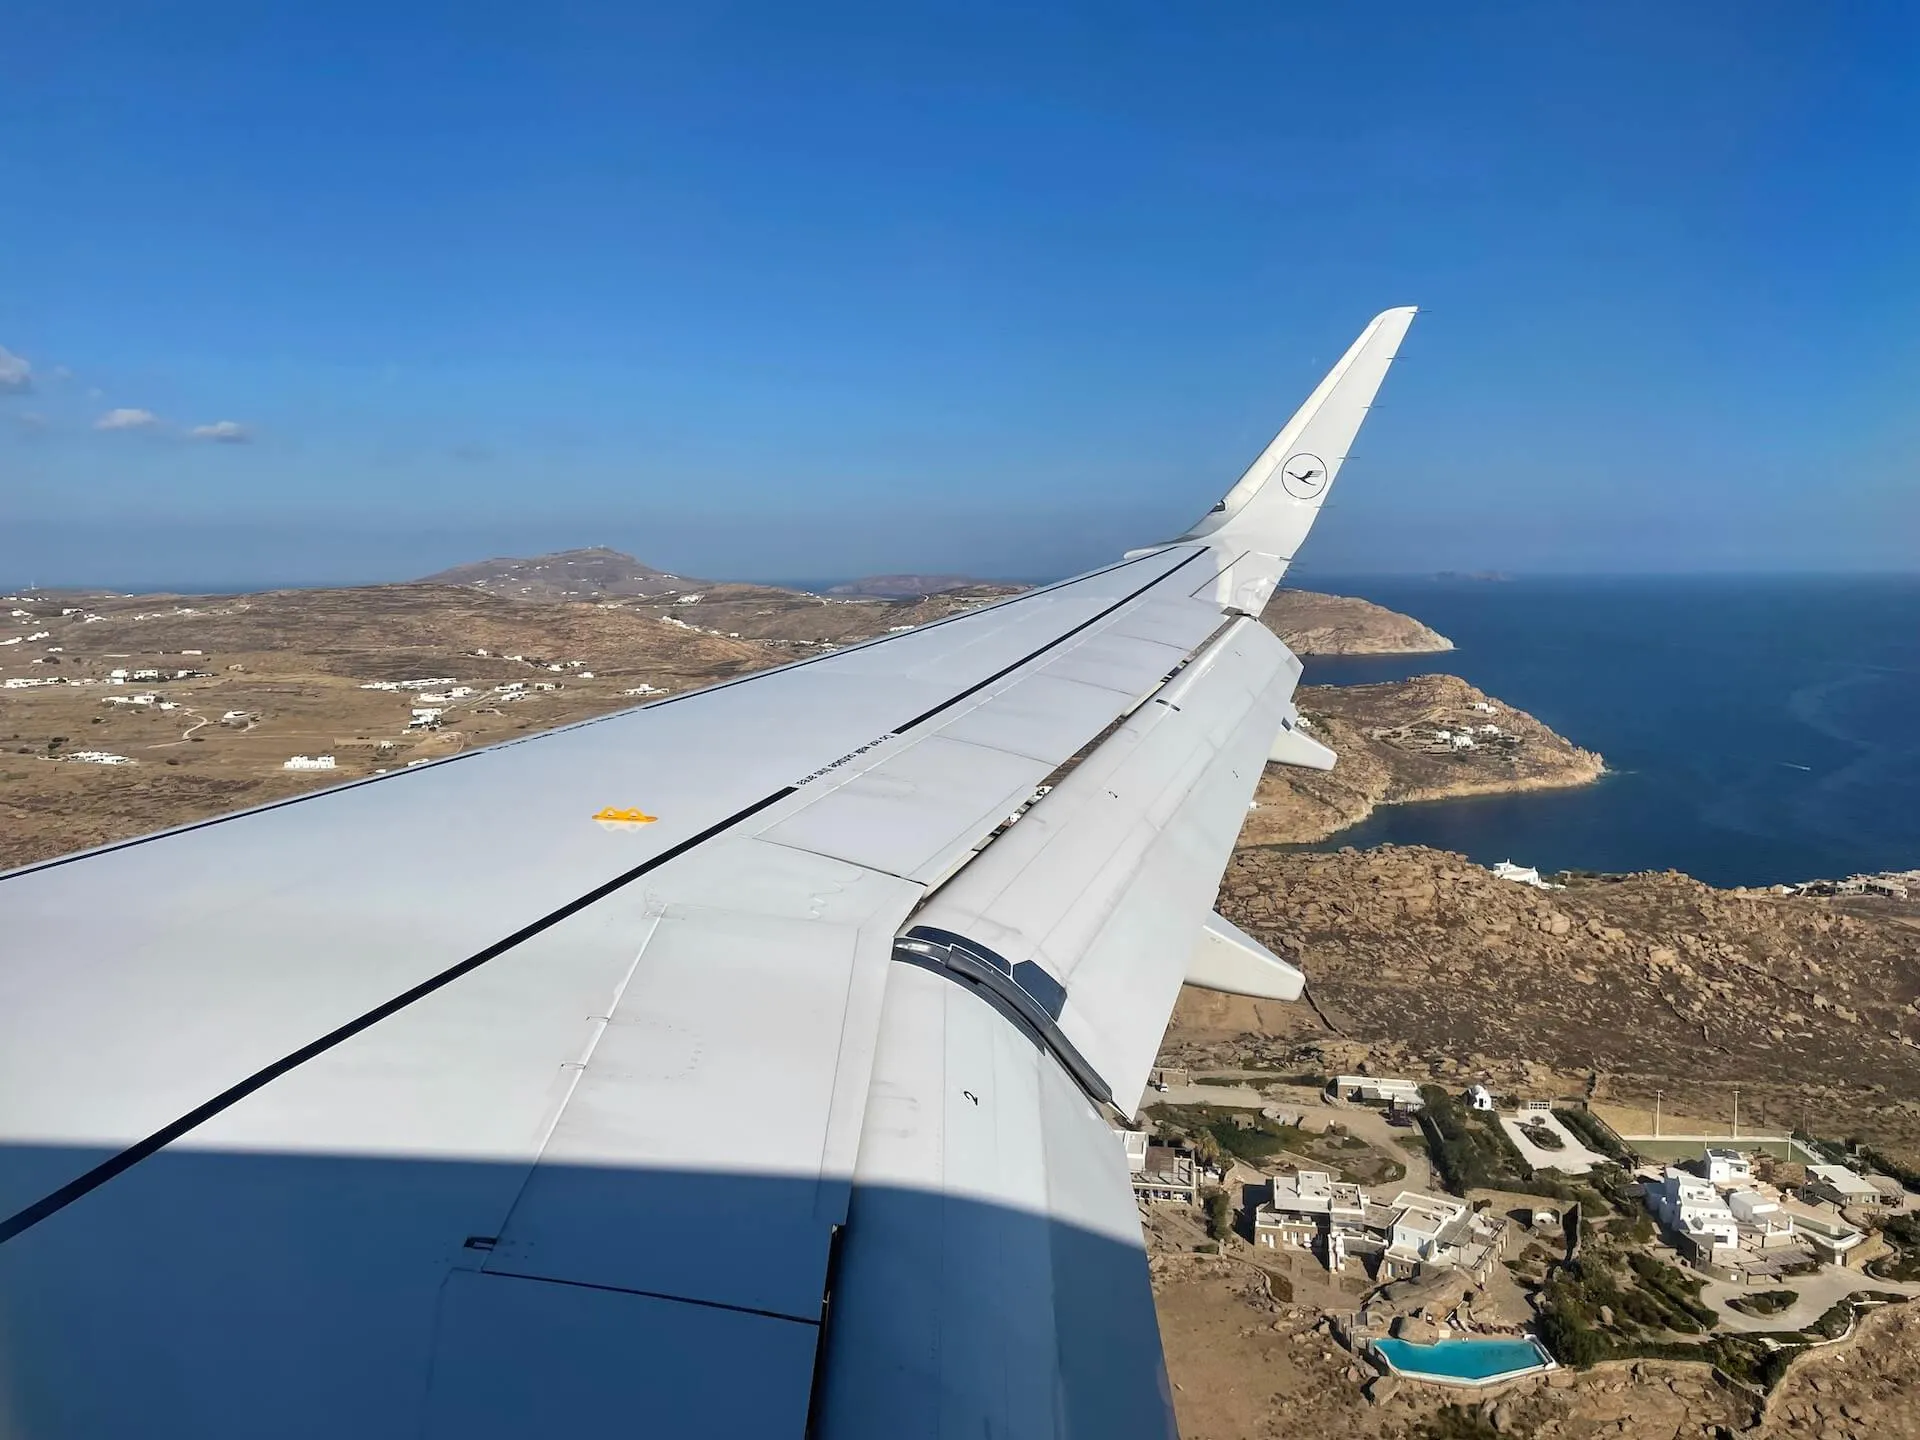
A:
[(1764, 1302), (1219, 1212)]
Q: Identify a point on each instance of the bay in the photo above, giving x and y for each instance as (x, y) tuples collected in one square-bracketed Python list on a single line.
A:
[(1757, 729)]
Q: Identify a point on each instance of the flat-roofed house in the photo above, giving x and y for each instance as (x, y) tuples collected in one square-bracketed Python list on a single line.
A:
[(1426, 1229), (1311, 1211), (1725, 1167), (1168, 1173), (1694, 1210), (1837, 1185)]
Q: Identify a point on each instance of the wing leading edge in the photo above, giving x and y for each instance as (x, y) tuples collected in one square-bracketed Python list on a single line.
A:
[(384, 1122)]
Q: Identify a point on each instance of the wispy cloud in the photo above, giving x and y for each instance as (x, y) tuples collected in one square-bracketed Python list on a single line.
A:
[(222, 432), (16, 375), (127, 419)]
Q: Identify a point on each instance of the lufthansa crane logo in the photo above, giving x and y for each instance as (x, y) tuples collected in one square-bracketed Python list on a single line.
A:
[(1304, 476)]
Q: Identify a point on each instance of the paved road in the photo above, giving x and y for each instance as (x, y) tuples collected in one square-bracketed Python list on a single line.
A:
[(1817, 1293)]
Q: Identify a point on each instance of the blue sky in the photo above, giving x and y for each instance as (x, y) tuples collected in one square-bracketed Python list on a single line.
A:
[(795, 291)]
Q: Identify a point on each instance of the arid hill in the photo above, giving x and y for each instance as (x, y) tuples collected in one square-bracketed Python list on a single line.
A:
[(289, 666), (1387, 739), (591, 574), (909, 587), (1315, 624), (1419, 961)]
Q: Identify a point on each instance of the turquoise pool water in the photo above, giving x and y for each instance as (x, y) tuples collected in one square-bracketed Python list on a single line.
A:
[(1469, 1360)]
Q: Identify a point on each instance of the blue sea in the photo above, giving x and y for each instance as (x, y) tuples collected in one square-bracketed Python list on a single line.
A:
[(1758, 730)]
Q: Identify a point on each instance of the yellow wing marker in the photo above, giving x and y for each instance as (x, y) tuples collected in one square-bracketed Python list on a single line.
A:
[(613, 818)]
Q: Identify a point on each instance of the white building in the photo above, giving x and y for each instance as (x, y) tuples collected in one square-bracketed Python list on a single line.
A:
[(424, 719), (1763, 1222), (1376, 1090), (1462, 740), (1426, 1229), (1480, 1098), (1838, 1185), (1523, 875), (309, 762), (1134, 1142), (1694, 1210), (98, 757), (1311, 1211), (1727, 1167)]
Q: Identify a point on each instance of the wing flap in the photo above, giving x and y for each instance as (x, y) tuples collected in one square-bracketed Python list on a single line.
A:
[(1106, 880)]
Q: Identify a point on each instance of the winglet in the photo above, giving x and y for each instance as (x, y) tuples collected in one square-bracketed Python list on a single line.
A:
[(1271, 508)]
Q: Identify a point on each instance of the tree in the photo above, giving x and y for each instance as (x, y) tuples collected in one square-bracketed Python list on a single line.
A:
[(1219, 1212), (1206, 1148)]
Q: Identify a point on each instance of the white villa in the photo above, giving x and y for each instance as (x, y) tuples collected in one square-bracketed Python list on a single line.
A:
[(1723, 1218), (1694, 1210), (1315, 1213)]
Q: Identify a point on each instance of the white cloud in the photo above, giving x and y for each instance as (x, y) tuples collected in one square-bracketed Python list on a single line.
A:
[(224, 432), (124, 419), (16, 375)]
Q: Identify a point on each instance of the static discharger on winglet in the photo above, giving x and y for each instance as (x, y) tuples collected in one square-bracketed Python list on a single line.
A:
[(613, 818)]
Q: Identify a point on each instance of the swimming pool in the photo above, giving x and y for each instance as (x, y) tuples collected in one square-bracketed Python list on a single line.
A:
[(1464, 1362)]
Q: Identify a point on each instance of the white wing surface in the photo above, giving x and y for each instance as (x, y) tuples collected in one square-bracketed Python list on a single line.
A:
[(432, 1105)]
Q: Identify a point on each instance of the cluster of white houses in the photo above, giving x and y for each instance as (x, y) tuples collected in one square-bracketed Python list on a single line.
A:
[(1335, 1221), (1724, 1217)]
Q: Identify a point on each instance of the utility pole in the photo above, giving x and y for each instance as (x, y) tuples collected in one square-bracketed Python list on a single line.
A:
[(1656, 1114), (1736, 1112)]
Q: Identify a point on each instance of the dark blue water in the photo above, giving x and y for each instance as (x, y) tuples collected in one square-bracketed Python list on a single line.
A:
[(1707, 697)]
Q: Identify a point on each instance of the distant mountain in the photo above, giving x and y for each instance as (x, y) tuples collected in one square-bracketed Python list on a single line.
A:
[(564, 575), (910, 587)]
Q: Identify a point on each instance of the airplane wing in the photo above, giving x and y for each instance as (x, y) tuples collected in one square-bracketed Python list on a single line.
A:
[(434, 1105)]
